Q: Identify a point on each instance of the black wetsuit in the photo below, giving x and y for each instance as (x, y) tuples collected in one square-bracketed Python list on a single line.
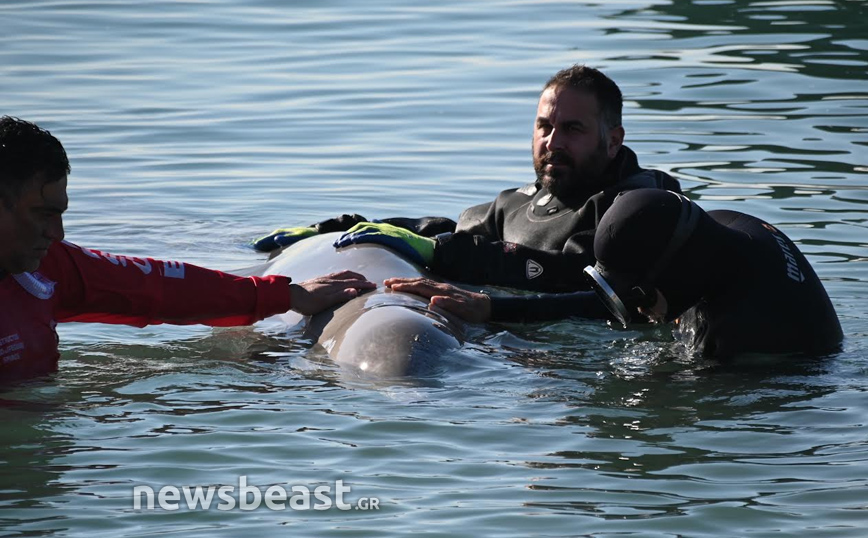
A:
[(526, 238), (767, 297), (739, 285)]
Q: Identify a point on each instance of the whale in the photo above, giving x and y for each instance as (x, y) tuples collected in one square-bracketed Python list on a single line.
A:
[(380, 333)]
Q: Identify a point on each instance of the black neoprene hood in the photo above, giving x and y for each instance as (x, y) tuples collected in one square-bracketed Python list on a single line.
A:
[(642, 243)]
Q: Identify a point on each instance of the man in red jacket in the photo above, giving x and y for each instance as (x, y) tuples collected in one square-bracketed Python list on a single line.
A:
[(45, 280)]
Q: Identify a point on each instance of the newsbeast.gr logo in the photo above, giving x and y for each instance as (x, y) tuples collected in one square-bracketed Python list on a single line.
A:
[(248, 497)]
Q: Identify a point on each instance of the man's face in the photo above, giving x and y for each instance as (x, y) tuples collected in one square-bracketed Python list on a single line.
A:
[(31, 223), (569, 148)]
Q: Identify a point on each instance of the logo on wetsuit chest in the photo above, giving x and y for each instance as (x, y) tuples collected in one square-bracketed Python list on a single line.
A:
[(533, 269), (793, 271)]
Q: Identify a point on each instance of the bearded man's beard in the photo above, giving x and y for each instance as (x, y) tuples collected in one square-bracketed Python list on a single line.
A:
[(576, 177)]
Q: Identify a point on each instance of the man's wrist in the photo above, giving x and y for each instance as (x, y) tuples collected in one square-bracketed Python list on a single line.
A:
[(294, 294)]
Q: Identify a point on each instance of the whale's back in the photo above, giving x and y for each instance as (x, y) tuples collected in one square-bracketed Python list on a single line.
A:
[(381, 332)]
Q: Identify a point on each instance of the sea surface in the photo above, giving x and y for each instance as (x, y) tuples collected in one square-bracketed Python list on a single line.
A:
[(194, 126)]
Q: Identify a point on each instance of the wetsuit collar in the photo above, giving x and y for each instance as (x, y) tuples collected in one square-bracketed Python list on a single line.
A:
[(624, 165)]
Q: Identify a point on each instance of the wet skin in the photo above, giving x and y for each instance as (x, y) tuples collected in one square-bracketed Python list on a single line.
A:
[(30, 223)]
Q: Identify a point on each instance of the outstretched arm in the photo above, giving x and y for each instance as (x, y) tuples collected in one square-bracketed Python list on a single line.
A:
[(94, 286), (477, 260), (479, 307)]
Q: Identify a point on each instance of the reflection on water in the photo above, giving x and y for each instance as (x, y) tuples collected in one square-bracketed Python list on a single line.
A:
[(195, 126)]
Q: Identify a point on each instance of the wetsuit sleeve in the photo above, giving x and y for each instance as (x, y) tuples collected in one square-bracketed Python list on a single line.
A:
[(545, 307), (341, 223), (104, 288), (425, 226), (483, 219), (477, 260)]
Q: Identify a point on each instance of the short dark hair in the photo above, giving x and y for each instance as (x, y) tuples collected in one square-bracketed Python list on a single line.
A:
[(588, 79), (25, 151)]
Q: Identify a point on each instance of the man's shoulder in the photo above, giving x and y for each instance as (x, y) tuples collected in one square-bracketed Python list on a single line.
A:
[(632, 176), (62, 251), (64, 258), (647, 179), (57, 252), (519, 193), (528, 190), (479, 219)]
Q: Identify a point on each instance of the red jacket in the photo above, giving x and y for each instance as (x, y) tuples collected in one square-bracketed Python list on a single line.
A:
[(78, 284)]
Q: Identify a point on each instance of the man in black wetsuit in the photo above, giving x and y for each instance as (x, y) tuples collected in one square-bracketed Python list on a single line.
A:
[(736, 284), (531, 237)]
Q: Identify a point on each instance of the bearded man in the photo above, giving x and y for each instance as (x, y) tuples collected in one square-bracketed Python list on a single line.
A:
[(534, 237)]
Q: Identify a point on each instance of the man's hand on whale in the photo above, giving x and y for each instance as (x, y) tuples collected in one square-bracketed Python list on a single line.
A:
[(469, 306), (315, 295)]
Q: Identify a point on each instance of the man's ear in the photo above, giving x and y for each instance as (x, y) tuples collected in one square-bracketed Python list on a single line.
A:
[(614, 141)]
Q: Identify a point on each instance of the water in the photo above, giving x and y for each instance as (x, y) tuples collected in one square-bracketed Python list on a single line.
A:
[(194, 126)]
